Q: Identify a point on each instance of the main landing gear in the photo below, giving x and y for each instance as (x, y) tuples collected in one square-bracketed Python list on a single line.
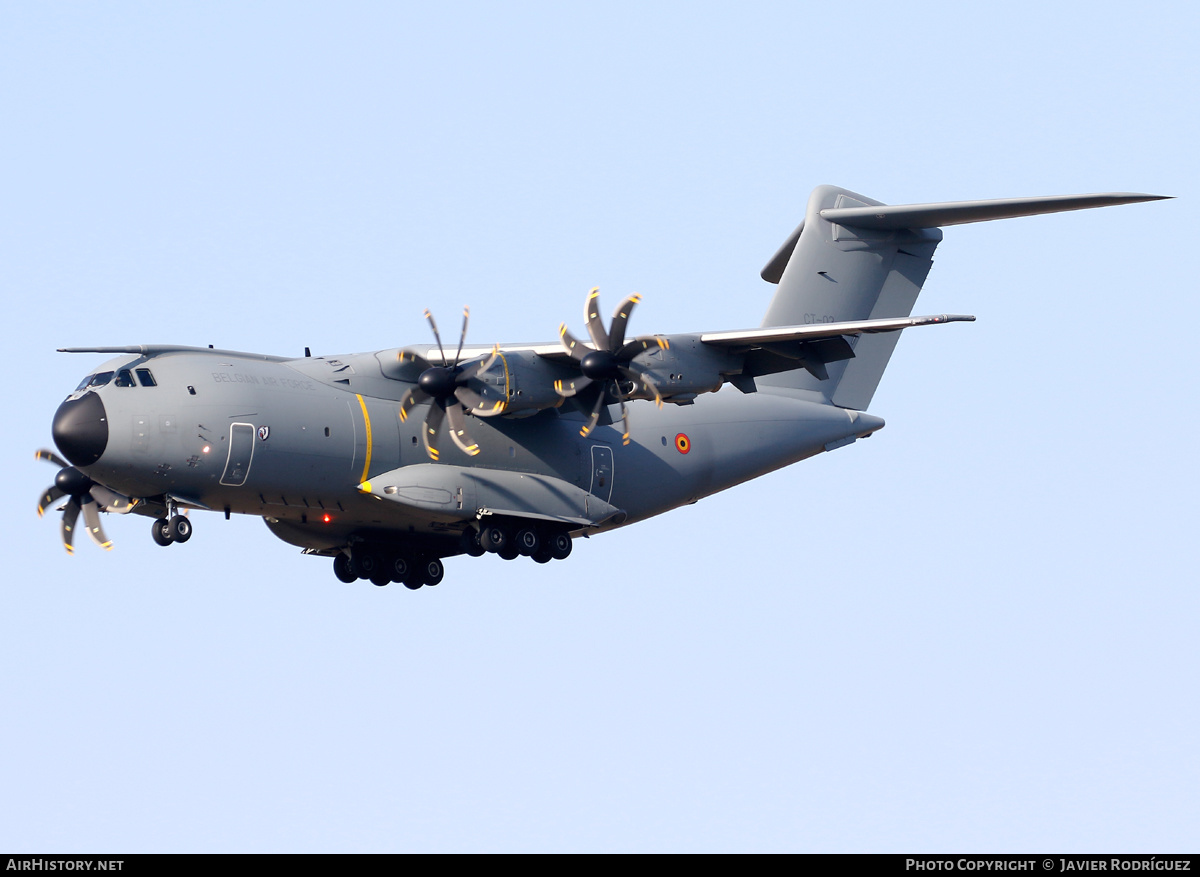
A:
[(414, 569), (382, 567), (511, 540)]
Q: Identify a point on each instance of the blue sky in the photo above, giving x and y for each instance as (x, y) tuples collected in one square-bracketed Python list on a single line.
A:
[(974, 632)]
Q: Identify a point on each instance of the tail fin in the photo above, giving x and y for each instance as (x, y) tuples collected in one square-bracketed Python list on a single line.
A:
[(853, 258)]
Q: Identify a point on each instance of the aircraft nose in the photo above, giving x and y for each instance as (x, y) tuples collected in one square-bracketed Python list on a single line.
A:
[(81, 429)]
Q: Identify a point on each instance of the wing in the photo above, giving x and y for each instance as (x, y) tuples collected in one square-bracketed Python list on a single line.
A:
[(819, 331)]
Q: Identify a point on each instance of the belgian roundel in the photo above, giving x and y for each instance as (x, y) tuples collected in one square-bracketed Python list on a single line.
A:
[(683, 444)]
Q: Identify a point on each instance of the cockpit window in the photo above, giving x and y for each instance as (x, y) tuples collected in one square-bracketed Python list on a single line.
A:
[(83, 384), (125, 378), (99, 380), (146, 378)]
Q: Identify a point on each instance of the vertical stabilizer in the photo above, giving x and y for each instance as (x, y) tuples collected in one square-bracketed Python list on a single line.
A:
[(857, 259), (830, 273)]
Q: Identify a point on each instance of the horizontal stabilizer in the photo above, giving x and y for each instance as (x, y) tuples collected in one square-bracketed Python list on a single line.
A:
[(900, 216), (779, 334)]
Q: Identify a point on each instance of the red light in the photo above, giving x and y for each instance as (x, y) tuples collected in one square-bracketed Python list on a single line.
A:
[(326, 518)]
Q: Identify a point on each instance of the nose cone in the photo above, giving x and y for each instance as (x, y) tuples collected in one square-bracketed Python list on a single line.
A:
[(81, 429)]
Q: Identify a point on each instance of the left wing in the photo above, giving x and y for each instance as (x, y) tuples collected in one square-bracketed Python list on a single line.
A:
[(750, 338), (738, 338), (677, 368)]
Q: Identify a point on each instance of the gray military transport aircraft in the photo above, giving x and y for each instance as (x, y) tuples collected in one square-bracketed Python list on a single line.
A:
[(345, 457)]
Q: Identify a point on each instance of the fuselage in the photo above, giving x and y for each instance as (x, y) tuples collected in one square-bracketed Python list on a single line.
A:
[(390, 461), (292, 441)]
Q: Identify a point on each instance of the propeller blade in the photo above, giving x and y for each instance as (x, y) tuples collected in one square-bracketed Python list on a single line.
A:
[(633, 348), (474, 369), (463, 336), (595, 418), (49, 498), (577, 349), (624, 418), (433, 423), (570, 388), (591, 315), (479, 405), (412, 397), (458, 430), (52, 457), (68, 524), (437, 336), (490, 361), (111, 500), (406, 356), (91, 517), (632, 373), (616, 329)]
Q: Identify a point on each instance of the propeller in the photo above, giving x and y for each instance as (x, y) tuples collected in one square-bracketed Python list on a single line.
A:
[(607, 365), (85, 495), (445, 387)]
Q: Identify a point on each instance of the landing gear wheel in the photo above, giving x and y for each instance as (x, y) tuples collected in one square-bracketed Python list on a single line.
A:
[(364, 564), (412, 578), (559, 546), (160, 533), (495, 538), (527, 541), (343, 569), (471, 544), (180, 529), (380, 577), (401, 568), (543, 556), (432, 571), (509, 552)]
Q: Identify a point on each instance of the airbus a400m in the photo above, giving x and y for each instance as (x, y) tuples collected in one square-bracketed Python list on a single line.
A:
[(347, 456)]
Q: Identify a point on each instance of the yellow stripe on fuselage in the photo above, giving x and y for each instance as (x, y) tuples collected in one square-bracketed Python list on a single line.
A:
[(367, 421)]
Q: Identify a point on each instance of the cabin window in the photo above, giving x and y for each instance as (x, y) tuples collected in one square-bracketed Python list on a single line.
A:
[(124, 378), (146, 378)]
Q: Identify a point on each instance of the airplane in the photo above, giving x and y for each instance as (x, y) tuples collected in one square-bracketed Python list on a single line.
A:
[(345, 456)]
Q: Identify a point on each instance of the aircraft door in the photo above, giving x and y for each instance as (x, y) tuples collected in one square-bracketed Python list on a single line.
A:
[(602, 472), (241, 452)]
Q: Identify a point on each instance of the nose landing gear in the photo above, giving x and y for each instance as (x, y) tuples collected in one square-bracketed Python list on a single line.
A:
[(173, 528)]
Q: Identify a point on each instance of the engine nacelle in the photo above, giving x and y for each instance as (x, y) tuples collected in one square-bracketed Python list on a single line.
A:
[(686, 367), (525, 380)]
